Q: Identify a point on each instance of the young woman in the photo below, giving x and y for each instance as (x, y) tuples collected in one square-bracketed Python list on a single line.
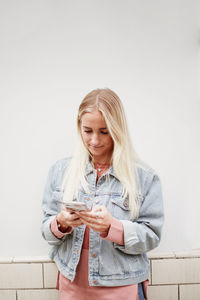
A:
[(102, 252)]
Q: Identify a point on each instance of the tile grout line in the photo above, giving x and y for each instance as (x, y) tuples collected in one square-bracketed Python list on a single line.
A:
[(53, 288), (175, 283), (43, 274), (178, 292)]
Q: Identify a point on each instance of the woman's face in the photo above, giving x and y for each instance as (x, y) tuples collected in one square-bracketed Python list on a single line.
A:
[(96, 137)]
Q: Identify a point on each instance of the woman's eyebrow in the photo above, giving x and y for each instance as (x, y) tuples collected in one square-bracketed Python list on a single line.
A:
[(103, 128)]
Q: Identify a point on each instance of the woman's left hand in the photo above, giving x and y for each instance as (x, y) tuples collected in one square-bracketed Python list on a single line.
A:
[(99, 218)]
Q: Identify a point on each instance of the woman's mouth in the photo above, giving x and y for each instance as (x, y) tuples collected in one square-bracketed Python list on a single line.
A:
[(95, 147)]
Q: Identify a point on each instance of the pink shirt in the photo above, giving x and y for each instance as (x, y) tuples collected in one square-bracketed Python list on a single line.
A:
[(79, 288)]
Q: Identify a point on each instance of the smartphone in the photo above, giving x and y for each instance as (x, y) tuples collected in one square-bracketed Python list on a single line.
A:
[(76, 206)]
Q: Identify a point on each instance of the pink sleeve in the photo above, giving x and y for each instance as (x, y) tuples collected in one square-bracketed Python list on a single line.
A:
[(55, 230), (115, 233)]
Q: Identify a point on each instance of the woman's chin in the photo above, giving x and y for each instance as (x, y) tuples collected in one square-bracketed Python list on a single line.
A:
[(95, 150)]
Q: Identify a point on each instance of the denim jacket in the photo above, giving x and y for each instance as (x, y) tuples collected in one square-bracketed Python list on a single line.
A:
[(110, 264)]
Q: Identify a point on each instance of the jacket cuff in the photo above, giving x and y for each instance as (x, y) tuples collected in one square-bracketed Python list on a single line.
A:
[(55, 230), (115, 233), (130, 235)]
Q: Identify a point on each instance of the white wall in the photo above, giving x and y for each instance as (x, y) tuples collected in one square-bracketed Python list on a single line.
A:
[(52, 54)]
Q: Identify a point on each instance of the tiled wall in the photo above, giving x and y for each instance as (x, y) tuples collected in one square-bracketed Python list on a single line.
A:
[(174, 276)]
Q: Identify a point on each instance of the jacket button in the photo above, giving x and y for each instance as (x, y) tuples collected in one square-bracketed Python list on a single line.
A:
[(125, 203), (94, 255), (94, 281)]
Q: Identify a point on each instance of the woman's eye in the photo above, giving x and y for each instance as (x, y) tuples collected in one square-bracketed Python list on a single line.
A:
[(87, 131)]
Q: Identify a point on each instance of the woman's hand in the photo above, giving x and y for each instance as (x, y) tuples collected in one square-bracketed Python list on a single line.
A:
[(99, 219), (68, 218)]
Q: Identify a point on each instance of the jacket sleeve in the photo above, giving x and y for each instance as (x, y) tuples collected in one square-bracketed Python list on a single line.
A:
[(50, 208), (143, 234)]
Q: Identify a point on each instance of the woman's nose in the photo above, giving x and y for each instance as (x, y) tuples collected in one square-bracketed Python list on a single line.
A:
[(95, 139)]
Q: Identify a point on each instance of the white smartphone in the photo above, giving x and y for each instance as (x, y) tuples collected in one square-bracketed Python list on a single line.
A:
[(76, 206)]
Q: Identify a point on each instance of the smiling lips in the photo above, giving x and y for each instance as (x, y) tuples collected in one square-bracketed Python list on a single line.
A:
[(95, 147)]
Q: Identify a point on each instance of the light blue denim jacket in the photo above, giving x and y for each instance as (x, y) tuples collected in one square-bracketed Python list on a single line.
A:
[(112, 264)]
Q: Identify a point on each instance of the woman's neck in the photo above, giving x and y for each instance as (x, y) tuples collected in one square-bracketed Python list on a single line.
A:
[(101, 161), (105, 160)]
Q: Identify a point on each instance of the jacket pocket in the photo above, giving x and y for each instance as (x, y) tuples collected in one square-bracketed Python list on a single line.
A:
[(114, 262), (120, 207)]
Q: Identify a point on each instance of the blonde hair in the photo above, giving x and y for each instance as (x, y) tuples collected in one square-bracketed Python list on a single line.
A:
[(123, 156)]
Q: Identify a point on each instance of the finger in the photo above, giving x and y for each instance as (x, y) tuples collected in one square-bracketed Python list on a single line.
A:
[(88, 222), (94, 209), (66, 209), (99, 215), (92, 214), (76, 223), (98, 228), (70, 217), (86, 216), (91, 220), (84, 213)]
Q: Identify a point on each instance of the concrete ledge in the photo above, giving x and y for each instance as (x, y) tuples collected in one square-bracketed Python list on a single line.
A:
[(25, 259), (161, 255), (192, 254), (6, 260), (31, 259)]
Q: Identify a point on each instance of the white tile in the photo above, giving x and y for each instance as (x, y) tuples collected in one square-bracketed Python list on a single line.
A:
[(21, 276), (37, 295), (190, 292), (165, 292), (50, 275), (31, 259), (174, 271), (8, 295)]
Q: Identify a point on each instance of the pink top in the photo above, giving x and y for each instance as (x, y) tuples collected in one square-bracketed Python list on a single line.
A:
[(79, 288)]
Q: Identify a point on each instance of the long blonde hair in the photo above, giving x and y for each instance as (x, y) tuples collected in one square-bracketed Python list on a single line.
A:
[(123, 156)]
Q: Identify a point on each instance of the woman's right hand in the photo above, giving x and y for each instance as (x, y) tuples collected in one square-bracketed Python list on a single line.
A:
[(68, 218)]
